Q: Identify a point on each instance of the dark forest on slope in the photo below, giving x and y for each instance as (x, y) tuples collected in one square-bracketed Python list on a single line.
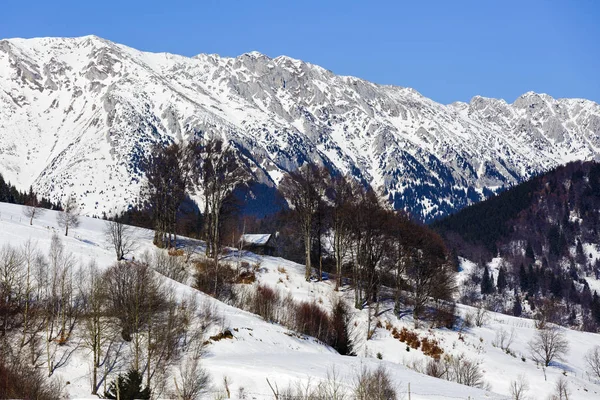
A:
[(546, 231)]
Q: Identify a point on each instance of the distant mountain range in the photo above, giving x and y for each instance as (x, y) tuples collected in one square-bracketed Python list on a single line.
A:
[(77, 114)]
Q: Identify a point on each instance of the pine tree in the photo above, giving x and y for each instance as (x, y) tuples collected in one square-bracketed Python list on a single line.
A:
[(523, 278), (128, 387), (532, 280), (529, 252), (501, 283), (595, 307), (517, 308), (487, 283)]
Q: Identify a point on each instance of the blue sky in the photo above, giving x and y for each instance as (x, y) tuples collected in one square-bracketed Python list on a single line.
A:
[(447, 50)]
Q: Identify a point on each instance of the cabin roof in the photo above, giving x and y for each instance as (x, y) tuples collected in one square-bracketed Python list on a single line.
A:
[(256, 239)]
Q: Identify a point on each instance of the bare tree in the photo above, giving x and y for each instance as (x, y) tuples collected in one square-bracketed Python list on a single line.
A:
[(32, 209), (548, 344), (11, 287), (135, 295), (593, 360), (121, 237), (221, 173), (374, 385), (191, 381), (341, 194), (304, 190), (519, 388), (171, 172), (69, 216), (96, 325), (429, 270), (504, 338), (561, 390)]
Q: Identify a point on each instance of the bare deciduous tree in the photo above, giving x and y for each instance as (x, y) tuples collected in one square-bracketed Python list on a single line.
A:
[(304, 190), (561, 390), (96, 331), (593, 360), (32, 209), (519, 388), (170, 171), (121, 238), (191, 380), (341, 194), (133, 296), (69, 216), (221, 173), (548, 344), (374, 385)]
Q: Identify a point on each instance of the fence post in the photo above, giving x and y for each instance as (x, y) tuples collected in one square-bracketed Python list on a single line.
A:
[(408, 390)]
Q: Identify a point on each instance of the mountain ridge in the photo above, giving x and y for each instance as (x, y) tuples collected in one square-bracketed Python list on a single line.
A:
[(77, 114)]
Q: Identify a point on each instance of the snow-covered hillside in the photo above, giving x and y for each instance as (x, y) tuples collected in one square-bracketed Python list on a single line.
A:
[(261, 350), (76, 115)]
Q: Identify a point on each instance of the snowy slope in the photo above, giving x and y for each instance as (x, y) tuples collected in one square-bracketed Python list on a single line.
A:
[(261, 350), (76, 115)]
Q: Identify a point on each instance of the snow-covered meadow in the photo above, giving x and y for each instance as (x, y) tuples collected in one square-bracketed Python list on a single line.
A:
[(261, 353)]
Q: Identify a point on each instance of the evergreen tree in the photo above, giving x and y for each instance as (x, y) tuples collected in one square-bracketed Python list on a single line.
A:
[(501, 283), (487, 282), (529, 252), (595, 307), (128, 387), (517, 308), (555, 286), (523, 278), (532, 280)]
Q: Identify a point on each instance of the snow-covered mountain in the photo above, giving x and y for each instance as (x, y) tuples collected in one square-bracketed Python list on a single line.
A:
[(76, 115)]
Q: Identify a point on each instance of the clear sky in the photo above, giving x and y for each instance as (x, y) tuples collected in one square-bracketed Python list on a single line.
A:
[(448, 50)]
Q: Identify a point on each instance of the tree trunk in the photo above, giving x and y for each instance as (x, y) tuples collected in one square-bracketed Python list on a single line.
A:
[(307, 243)]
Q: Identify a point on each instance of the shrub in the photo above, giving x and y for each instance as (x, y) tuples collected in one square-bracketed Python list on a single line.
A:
[(226, 334), (436, 368), (246, 278), (312, 320), (176, 252), (20, 381), (206, 275), (409, 337), (265, 302), (374, 385), (128, 387), (431, 348), (465, 372), (444, 315)]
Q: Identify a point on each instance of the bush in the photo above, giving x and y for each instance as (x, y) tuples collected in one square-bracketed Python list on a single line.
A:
[(431, 348), (436, 368), (374, 385), (444, 315), (128, 387), (20, 381), (265, 302), (206, 275), (312, 320), (409, 337), (464, 371)]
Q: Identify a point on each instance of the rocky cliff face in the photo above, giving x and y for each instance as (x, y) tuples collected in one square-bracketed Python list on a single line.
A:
[(77, 114)]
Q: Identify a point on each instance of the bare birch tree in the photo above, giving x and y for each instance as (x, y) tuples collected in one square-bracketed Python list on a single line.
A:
[(121, 238), (69, 216)]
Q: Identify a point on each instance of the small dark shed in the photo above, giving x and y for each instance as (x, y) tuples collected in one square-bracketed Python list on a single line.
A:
[(259, 243)]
